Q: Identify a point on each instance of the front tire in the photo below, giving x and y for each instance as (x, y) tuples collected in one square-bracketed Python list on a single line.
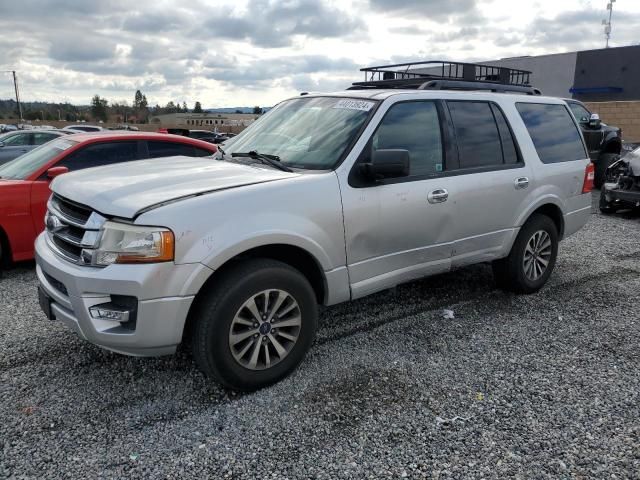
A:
[(532, 257), (255, 325)]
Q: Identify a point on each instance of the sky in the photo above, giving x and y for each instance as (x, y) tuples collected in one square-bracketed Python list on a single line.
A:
[(258, 52)]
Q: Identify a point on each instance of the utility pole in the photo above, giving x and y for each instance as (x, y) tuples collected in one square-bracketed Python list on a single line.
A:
[(15, 85), (607, 23)]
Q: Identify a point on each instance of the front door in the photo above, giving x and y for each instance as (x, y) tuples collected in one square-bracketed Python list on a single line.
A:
[(593, 137), (400, 229)]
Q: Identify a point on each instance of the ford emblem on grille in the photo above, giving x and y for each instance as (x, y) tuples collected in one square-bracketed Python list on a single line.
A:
[(54, 224)]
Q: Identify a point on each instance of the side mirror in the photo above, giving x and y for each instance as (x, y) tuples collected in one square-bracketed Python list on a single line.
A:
[(594, 121), (54, 172), (387, 164)]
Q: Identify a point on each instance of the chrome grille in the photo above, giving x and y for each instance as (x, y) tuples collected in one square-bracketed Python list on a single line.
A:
[(73, 230)]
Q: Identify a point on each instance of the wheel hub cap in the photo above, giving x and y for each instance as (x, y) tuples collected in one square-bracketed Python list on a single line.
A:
[(265, 329), (537, 255)]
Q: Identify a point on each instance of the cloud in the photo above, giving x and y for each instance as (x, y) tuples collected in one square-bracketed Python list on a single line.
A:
[(274, 23), (435, 9), (278, 70), (68, 48)]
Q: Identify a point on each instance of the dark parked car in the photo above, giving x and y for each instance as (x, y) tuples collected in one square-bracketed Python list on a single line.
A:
[(603, 141), (14, 144), (204, 135), (83, 128)]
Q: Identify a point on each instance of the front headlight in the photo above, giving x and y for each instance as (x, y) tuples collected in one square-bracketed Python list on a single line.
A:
[(122, 243)]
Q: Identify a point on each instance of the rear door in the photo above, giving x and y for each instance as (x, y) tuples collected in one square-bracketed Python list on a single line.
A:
[(492, 181)]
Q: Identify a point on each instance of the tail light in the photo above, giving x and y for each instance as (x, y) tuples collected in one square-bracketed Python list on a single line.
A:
[(589, 174)]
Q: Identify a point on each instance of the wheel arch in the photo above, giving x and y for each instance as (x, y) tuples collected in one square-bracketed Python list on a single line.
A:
[(613, 146), (292, 255), (6, 254), (550, 207), (554, 212)]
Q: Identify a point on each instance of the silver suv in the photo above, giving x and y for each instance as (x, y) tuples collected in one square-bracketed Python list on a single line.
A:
[(325, 199)]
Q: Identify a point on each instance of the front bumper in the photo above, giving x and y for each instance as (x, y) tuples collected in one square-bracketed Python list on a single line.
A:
[(627, 197), (165, 292)]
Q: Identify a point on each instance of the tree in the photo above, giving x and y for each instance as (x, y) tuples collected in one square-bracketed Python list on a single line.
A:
[(184, 107), (171, 108), (137, 99), (99, 108), (197, 108), (257, 110)]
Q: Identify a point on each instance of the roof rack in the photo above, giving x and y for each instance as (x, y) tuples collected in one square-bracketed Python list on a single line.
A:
[(440, 74)]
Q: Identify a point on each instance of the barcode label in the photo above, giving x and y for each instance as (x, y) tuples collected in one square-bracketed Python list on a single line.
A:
[(350, 104)]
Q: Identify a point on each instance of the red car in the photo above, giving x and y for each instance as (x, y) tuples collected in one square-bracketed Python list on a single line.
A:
[(24, 182)]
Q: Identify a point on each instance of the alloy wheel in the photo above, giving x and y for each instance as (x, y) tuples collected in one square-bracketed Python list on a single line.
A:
[(265, 329), (537, 255)]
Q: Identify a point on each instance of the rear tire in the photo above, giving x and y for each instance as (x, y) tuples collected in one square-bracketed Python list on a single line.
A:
[(532, 257), (235, 337), (603, 162), (606, 207)]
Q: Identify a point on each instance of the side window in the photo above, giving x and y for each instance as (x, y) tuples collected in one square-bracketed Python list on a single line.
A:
[(39, 137), (553, 131), (509, 150), (170, 149), (476, 133), (18, 140), (580, 113), (99, 154), (413, 126), (202, 153)]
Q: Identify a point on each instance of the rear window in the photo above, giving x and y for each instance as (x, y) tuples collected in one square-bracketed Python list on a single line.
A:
[(478, 137), (553, 131), (171, 149)]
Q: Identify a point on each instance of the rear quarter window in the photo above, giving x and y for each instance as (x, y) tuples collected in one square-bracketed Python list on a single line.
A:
[(553, 132)]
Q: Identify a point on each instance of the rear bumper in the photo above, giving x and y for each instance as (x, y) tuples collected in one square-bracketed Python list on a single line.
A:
[(164, 291), (578, 217)]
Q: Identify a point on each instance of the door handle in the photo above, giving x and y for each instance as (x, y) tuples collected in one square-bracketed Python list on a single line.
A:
[(521, 182), (438, 196)]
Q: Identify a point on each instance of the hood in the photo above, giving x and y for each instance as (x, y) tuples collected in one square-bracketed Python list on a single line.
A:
[(123, 190)]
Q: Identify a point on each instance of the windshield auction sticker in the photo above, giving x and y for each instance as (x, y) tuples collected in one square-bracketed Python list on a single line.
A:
[(351, 104)]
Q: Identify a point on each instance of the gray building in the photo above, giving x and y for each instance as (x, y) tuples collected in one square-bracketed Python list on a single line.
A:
[(604, 75), (205, 120)]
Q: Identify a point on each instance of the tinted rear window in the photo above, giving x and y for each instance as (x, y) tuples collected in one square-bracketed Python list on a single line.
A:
[(553, 132), (476, 134)]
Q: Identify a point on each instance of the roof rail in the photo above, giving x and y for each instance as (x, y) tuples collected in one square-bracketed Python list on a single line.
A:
[(440, 74)]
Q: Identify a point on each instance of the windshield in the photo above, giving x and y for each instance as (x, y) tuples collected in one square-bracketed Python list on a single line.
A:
[(309, 132), (25, 165)]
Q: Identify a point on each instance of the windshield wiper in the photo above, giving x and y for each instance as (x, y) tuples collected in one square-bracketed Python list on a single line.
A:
[(265, 158)]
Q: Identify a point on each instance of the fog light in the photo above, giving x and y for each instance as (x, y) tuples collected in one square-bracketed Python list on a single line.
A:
[(110, 311)]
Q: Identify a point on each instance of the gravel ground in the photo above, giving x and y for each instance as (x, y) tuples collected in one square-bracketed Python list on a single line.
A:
[(540, 386)]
